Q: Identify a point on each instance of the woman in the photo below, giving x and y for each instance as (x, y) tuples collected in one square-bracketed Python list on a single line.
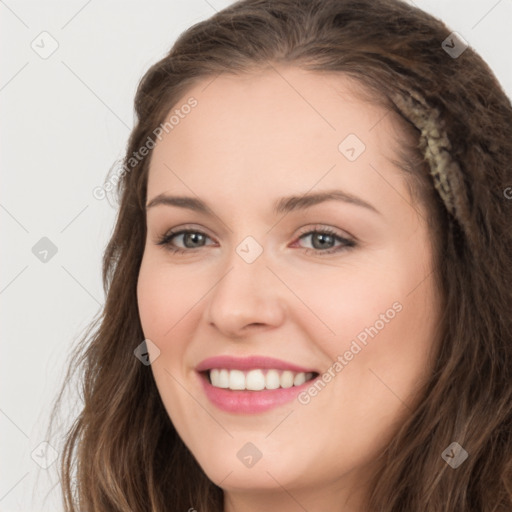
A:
[(308, 285)]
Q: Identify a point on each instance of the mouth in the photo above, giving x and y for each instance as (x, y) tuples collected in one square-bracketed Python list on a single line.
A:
[(257, 379), (252, 385)]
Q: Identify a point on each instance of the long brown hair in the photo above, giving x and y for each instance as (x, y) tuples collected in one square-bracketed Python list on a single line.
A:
[(123, 447)]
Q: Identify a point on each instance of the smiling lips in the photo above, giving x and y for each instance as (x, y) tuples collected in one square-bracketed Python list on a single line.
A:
[(253, 384)]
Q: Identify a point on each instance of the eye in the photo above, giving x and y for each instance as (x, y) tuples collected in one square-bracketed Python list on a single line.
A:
[(322, 240), (191, 238)]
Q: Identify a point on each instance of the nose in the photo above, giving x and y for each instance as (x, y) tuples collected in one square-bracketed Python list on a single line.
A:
[(248, 297)]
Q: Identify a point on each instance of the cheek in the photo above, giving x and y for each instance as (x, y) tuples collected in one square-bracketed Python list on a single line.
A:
[(150, 298), (165, 310), (377, 326), (380, 357), (383, 291), (164, 297), (348, 303)]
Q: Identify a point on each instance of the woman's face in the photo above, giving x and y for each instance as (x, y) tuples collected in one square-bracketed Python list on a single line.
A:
[(278, 282)]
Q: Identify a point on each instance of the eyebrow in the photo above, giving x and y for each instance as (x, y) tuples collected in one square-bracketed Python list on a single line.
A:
[(282, 205)]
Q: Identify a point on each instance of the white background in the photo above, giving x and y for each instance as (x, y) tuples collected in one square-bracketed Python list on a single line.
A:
[(65, 120)]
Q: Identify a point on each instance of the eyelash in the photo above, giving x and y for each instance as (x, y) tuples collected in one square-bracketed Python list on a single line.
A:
[(347, 243)]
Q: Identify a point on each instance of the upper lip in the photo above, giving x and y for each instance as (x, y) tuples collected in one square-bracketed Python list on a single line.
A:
[(249, 363)]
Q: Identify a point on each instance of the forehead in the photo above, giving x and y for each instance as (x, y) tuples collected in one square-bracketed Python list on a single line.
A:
[(283, 128)]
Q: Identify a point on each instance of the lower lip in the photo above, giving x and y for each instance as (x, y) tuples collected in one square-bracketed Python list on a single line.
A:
[(250, 402)]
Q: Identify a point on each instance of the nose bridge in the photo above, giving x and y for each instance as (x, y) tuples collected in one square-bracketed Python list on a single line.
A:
[(248, 293)]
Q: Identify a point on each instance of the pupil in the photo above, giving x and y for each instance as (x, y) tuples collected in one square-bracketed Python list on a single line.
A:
[(322, 237), (194, 237)]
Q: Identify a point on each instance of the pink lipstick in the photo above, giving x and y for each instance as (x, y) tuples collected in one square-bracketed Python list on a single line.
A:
[(253, 384)]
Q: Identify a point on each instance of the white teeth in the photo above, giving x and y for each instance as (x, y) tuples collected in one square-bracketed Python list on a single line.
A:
[(286, 379), (256, 380), (236, 379), (272, 380), (299, 379), (223, 381), (214, 376)]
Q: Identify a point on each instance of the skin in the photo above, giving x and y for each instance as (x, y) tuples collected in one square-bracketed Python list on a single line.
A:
[(252, 139)]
